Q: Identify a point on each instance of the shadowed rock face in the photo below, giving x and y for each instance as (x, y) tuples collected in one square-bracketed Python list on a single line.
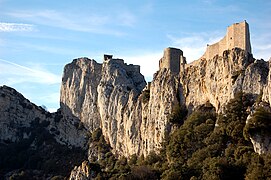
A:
[(18, 114), (35, 141)]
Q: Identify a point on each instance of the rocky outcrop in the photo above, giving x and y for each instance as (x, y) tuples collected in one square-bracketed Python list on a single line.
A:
[(266, 96), (36, 144), (258, 125), (261, 143), (164, 95), (18, 114), (79, 94), (111, 96), (217, 80), (81, 172)]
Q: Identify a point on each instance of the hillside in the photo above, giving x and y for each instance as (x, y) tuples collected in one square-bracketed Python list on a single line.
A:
[(205, 120)]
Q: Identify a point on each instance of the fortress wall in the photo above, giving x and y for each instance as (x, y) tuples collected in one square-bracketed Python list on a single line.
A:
[(171, 59), (118, 61), (212, 50), (237, 36), (230, 37), (222, 46), (247, 39), (132, 68), (175, 55), (163, 63)]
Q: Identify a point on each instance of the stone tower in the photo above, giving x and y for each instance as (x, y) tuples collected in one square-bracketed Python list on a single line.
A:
[(171, 59), (237, 36)]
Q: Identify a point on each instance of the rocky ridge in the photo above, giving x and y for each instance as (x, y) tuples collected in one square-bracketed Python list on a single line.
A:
[(33, 140), (135, 120), (18, 113)]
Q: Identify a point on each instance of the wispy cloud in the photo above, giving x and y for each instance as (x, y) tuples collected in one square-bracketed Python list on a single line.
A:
[(194, 45), (14, 27), (12, 73), (100, 23)]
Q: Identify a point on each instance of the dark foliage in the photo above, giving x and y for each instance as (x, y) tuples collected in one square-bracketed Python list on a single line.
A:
[(146, 96), (203, 145), (178, 114), (40, 152)]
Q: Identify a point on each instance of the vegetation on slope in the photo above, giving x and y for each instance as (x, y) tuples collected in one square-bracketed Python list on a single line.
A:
[(205, 146), (39, 156)]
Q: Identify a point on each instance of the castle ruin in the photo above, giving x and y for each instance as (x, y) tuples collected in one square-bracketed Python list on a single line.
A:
[(172, 59), (237, 36), (130, 68)]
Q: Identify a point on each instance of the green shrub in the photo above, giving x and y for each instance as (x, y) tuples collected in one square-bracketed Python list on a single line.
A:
[(259, 123), (178, 114), (146, 96), (96, 135)]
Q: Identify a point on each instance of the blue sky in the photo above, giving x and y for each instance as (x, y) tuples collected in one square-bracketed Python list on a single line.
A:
[(37, 37)]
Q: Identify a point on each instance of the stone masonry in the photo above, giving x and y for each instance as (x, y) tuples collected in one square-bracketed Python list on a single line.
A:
[(171, 59), (237, 36)]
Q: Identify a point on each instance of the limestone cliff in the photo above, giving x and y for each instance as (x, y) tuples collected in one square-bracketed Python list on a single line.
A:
[(37, 144), (266, 96), (217, 80), (18, 114), (258, 129), (110, 96), (81, 172), (79, 91)]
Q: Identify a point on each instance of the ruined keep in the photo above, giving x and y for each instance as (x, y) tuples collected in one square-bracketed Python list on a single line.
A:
[(172, 59), (237, 36)]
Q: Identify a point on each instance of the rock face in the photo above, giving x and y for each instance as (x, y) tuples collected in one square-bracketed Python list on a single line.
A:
[(258, 130), (217, 80), (37, 143), (267, 88), (110, 96), (79, 91), (261, 143), (135, 121), (18, 113), (82, 172)]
